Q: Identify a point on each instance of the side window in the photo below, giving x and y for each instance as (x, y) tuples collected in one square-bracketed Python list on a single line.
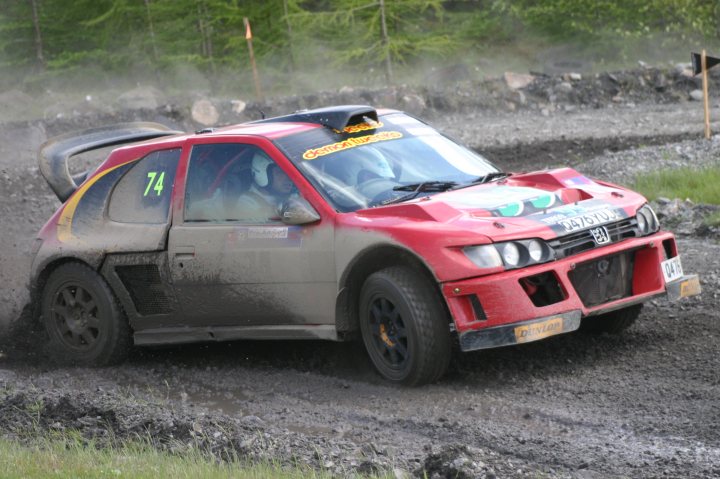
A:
[(233, 182), (143, 194)]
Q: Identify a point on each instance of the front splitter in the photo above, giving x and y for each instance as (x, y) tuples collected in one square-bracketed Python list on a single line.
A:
[(518, 333)]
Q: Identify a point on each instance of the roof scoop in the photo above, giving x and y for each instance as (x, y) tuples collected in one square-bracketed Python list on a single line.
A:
[(335, 117)]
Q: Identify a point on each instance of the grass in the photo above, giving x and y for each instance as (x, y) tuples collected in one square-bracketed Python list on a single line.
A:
[(701, 185), (69, 457)]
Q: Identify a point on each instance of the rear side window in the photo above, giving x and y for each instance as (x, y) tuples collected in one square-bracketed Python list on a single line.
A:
[(143, 194)]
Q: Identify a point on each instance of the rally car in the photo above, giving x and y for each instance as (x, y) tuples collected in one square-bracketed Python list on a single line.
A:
[(334, 223)]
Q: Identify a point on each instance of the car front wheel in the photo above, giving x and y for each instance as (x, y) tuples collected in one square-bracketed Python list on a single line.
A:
[(404, 326), (84, 322)]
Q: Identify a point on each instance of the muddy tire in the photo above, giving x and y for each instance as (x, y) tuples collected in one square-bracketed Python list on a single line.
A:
[(614, 323), (404, 326), (84, 322)]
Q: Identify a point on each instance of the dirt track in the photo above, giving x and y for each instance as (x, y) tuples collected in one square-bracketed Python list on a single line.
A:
[(644, 404)]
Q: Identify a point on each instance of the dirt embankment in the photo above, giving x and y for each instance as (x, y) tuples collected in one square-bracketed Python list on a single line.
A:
[(643, 404)]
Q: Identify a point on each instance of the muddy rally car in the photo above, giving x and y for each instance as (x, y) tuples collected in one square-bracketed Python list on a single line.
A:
[(334, 223)]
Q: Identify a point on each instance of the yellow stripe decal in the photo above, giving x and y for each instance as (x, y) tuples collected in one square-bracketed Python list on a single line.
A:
[(64, 226)]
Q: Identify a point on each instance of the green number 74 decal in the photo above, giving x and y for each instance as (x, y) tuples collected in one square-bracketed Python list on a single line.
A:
[(156, 180)]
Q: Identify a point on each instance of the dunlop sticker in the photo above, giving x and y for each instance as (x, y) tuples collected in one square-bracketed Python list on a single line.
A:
[(541, 330), (351, 143)]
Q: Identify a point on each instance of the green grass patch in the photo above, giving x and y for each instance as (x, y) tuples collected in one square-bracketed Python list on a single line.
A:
[(70, 457), (701, 185)]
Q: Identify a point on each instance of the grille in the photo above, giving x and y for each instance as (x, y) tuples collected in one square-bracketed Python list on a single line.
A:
[(603, 280), (145, 287), (575, 243)]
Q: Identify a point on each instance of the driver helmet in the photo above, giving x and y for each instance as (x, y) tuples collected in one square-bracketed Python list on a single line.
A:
[(261, 165), (363, 164)]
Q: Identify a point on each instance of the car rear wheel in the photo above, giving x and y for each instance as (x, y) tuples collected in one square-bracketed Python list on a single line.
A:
[(404, 326), (84, 322), (614, 322)]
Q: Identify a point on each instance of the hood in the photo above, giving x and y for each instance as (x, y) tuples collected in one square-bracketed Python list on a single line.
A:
[(546, 205)]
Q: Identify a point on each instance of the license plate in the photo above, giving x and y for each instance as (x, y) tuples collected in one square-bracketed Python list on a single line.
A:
[(540, 330), (672, 269)]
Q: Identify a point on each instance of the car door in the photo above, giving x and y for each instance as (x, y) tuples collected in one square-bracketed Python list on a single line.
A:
[(231, 267)]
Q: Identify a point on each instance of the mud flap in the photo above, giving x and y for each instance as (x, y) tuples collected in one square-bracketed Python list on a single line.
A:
[(688, 285), (517, 333)]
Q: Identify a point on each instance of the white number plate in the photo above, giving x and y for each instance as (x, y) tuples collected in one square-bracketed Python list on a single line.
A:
[(672, 269)]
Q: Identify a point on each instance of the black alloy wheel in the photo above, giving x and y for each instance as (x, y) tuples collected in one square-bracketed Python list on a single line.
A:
[(389, 335), (404, 326), (84, 322)]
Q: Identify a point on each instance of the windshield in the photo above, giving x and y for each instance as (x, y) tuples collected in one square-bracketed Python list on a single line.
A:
[(373, 164)]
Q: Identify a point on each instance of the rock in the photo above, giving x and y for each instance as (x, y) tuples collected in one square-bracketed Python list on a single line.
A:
[(696, 95), (346, 89), (516, 81), (205, 113), (238, 106), (413, 103), (575, 76), (564, 87), (140, 98)]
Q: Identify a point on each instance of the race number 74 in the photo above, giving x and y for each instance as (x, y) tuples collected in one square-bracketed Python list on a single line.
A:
[(155, 182)]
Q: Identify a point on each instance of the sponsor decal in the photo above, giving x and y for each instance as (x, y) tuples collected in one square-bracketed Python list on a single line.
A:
[(361, 127), (690, 287), (540, 330), (587, 220), (600, 235), (270, 232), (578, 181), (351, 143)]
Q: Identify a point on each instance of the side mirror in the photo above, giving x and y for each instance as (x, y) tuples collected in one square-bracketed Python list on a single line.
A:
[(297, 211)]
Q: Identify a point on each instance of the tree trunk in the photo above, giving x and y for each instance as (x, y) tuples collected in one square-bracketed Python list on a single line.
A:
[(152, 31), (38, 37), (385, 44)]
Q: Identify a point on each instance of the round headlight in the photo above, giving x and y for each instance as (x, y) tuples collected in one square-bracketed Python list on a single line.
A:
[(642, 222), (535, 250), (511, 254)]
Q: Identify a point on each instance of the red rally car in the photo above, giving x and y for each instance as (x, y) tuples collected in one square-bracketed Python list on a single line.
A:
[(333, 223)]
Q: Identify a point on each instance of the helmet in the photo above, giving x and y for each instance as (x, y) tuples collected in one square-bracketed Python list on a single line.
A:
[(361, 164), (260, 167)]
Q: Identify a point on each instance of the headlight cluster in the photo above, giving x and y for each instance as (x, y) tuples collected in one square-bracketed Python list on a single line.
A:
[(511, 254), (647, 220)]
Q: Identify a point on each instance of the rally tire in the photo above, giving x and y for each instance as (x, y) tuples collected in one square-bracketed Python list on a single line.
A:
[(404, 326), (85, 324), (614, 322)]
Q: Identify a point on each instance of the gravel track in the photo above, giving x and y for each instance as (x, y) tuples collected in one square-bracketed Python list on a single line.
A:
[(643, 404)]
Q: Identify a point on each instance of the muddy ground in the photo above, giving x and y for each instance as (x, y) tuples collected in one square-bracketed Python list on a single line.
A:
[(643, 404)]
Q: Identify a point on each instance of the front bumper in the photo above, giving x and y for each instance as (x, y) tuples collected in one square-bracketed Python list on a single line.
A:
[(505, 308)]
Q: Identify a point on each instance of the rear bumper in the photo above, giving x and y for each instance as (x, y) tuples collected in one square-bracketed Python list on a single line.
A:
[(504, 309)]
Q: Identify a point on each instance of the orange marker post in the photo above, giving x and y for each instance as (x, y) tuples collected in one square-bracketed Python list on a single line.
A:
[(706, 102), (256, 77)]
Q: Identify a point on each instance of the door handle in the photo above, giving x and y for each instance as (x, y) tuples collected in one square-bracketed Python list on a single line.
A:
[(185, 252)]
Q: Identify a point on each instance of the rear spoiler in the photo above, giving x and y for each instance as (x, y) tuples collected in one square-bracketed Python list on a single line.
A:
[(55, 153)]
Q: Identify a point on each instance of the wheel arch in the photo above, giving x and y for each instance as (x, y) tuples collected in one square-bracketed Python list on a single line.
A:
[(41, 277), (365, 263)]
